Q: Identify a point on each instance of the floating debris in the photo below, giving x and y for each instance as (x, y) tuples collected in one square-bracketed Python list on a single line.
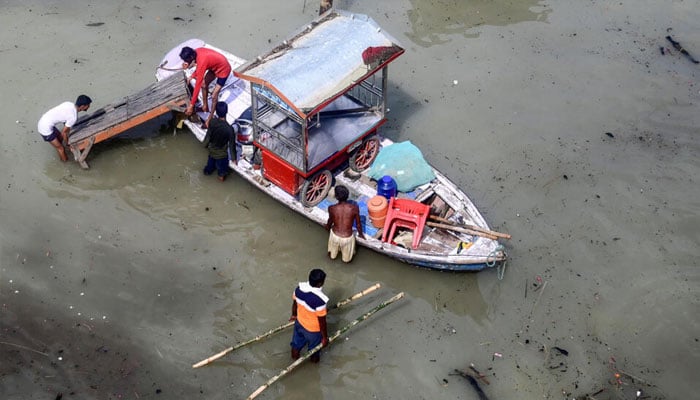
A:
[(472, 381), (683, 51)]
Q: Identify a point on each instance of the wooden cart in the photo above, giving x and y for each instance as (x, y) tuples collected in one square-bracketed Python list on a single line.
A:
[(317, 100)]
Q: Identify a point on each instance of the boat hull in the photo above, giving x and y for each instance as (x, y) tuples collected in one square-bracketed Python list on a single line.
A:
[(494, 254)]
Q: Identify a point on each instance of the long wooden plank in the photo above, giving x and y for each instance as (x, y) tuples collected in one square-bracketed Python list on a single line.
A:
[(463, 230), (126, 125), (151, 102), (472, 227)]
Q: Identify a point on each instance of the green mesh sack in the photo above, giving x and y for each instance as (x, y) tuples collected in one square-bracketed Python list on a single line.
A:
[(405, 163)]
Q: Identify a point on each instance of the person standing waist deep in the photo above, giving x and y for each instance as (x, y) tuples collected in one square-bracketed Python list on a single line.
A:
[(341, 217), (219, 139), (309, 308)]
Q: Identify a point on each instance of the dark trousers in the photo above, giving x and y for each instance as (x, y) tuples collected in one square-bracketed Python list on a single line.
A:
[(220, 164)]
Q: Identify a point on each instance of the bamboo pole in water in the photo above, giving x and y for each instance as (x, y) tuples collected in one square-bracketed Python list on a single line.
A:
[(281, 328), (317, 348)]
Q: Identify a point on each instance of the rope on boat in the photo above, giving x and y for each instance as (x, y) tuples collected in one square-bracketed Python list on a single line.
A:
[(162, 66), (492, 260), (501, 270)]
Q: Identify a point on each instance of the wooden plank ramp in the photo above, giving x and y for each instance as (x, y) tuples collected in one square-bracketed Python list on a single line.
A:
[(168, 95)]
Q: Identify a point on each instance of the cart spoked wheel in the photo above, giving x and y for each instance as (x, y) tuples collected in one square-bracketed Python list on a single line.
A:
[(316, 188), (363, 157)]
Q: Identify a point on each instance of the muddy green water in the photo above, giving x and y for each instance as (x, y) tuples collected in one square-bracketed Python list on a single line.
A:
[(113, 281)]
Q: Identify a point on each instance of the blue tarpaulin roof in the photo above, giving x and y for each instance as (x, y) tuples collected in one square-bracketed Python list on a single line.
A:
[(322, 60)]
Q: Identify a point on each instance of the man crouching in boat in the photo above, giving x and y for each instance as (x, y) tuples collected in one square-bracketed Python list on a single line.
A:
[(341, 217), (210, 64)]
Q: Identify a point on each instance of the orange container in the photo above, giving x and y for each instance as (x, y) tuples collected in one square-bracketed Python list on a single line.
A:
[(377, 207), (378, 223)]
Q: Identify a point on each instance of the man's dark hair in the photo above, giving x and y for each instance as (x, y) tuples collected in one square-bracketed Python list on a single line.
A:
[(317, 277), (221, 109), (83, 100), (187, 54), (341, 193)]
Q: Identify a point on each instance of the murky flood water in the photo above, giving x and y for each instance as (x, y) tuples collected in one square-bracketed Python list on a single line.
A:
[(562, 120)]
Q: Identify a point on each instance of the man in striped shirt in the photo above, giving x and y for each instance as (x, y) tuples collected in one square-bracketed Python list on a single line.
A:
[(309, 313)]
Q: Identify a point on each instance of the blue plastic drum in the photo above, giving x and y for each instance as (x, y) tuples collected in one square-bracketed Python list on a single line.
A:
[(386, 187)]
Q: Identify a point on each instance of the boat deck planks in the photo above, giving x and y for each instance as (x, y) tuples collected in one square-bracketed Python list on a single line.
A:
[(155, 100)]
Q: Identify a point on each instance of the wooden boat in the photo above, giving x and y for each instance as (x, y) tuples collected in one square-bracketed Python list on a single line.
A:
[(301, 133)]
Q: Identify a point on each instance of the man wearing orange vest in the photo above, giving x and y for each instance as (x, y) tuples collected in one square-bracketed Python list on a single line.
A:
[(309, 313)]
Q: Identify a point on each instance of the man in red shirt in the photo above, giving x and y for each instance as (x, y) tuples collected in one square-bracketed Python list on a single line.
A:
[(210, 64)]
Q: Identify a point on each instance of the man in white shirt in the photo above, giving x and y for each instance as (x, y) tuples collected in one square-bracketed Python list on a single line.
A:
[(67, 114)]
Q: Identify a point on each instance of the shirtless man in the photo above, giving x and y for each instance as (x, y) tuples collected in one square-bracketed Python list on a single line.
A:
[(341, 217), (210, 64)]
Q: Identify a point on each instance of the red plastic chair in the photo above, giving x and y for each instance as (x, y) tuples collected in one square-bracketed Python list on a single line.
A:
[(405, 213)]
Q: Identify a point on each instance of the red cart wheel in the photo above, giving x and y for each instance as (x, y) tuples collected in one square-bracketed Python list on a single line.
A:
[(316, 188), (364, 156)]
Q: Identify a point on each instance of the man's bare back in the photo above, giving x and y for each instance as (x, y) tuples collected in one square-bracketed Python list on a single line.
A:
[(341, 217)]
